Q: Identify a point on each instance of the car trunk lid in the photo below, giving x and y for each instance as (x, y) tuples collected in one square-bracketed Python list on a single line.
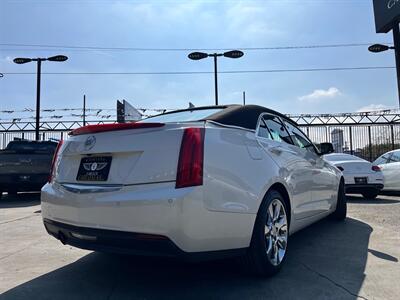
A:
[(133, 154)]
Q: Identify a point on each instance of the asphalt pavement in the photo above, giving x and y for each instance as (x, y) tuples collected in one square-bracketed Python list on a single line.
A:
[(355, 259)]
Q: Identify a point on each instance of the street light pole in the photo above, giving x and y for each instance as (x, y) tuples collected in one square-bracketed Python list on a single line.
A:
[(84, 110), (396, 40), (39, 68), (215, 56), (201, 55), (216, 79), (19, 60)]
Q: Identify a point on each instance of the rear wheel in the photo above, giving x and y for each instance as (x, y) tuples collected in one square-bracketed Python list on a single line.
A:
[(1, 194), (267, 251), (370, 194), (341, 206)]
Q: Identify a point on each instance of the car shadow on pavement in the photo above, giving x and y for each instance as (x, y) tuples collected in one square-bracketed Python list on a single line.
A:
[(390, 193), (19, 200), (326, 260), (379, 200)]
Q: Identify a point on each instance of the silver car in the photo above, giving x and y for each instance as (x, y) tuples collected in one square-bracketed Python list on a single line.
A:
[(390, 167)]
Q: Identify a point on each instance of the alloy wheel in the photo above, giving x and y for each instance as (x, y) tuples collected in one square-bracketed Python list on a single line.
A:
[(276, 232)]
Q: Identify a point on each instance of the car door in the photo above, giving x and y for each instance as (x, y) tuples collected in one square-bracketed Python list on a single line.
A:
[(295, 168), (391, 171), (324, 181)]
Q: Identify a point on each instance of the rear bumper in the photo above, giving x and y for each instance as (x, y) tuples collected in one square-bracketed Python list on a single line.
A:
[(179, 215), (359, 188), (113, 241)]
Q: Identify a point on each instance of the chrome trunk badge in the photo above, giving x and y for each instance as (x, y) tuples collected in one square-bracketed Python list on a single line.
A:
[(90, 142)]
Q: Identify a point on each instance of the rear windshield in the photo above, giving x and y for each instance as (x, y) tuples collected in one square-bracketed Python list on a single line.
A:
[(31, 147), (184, 116)]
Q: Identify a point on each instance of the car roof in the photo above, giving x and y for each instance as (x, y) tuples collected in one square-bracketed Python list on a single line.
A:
[(392, 151), (245, 116)]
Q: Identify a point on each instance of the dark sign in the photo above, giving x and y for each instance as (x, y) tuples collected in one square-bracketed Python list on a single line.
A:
[(387, 13), (120, 112)]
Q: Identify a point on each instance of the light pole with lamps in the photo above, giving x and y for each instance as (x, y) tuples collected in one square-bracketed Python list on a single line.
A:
[(21, 60), (376, 48), (201, 55)]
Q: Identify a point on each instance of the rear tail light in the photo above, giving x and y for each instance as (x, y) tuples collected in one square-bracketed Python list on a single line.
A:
[(376, 168), (191, 157), (113, 127), (53, 168)]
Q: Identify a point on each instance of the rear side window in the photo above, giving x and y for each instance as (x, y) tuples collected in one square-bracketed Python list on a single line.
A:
[(384, 159), (395, 157), (271, 127), (31, 147), (299, 138), (263, 130)]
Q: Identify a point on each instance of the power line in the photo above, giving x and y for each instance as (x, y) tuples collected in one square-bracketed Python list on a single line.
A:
[(93, 109), (209, 72), (93, 48)]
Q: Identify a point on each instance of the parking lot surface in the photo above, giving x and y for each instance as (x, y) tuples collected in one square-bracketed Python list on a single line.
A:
[(355, 259)]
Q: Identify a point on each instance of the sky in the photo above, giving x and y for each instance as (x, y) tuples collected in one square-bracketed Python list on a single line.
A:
[(195, 25)]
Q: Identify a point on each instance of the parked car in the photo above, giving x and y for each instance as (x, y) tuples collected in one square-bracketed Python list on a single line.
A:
[(360, 176), (390, 166), (197, 183), (25, 165)]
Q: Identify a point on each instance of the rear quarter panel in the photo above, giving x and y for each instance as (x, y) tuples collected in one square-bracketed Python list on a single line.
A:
[(237, 172)]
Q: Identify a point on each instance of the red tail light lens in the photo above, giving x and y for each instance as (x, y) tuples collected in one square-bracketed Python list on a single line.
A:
[(113, 127), (191, 157), (53, 163), (376, 168)]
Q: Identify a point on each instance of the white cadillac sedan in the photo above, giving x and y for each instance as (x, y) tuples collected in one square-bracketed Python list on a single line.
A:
[(198, 183), (390, 166), (360, 176)]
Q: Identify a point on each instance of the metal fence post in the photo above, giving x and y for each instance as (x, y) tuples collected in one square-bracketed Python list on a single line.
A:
[(351, 140), (326, 134), (392, 135), (370, 143)]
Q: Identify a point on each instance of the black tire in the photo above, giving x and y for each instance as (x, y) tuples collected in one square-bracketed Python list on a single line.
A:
[(1, 194), (341, 207), (256, 260), (370, 194)]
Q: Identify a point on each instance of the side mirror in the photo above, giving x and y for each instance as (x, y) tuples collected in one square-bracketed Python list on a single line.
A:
[(326, 148)]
